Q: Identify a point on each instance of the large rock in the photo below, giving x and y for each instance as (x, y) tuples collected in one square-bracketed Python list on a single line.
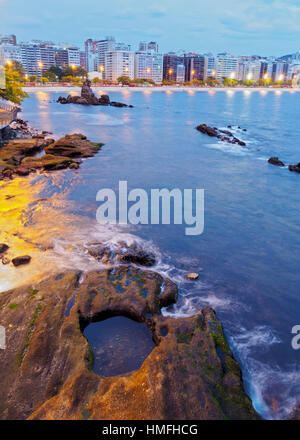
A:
[(74, 145), (121, 253), (18, 156), (47, 365), (295, 168), (276, 161), (87, 97)]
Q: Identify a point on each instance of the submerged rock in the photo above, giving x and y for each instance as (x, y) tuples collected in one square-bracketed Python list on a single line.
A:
[(47, 365), (87, 97), (276, 161)]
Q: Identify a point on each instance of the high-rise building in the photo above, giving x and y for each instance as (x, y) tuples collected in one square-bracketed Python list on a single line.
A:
[(9, 52), (249, 70), (195, 67), (82, 56), (36, 59), (279, 71), (8, 39), (91, 54), (152, 46), (211, 65), (143, 65), (180, 73), (170, 71), (73, 57), (61, 58), (227, 66), (119, 63), (157, 67), (143, 46), (104, 46), (148, 65)]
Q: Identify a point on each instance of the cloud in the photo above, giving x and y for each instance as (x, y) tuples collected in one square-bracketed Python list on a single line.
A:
[(257, 25)]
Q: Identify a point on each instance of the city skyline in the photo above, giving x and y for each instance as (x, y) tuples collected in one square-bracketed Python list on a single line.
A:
[(265, 28)]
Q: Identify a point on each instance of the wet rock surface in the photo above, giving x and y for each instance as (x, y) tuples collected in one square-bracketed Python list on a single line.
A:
[(295, 168), (190, 374), (17, 157), (276, 161), (20, 261), (222, 135), (121, 253), (87, 97)]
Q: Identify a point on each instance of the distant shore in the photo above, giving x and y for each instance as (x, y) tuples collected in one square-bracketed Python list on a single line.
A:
[(65, 89)]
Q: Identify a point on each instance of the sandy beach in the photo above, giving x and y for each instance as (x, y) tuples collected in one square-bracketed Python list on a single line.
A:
[(167, 89)]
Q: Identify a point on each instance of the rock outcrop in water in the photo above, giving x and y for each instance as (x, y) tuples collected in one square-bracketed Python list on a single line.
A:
[(121, 253), (17, 157), (47, 365), (222, 135), (276, 161), (295, 168), (87, 97)]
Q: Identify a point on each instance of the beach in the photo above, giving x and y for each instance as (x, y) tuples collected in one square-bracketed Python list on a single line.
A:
[(167, 89)]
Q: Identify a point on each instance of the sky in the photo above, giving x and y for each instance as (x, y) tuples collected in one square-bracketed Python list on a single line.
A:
[(261, 27)]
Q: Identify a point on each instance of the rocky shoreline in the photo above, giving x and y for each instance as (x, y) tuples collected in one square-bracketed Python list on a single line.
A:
[(19, 157), (190, 374)]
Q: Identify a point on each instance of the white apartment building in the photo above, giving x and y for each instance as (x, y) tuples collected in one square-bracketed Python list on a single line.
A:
[(211, 65), (119, 63), (73, 56), (157, 67), (249, 70), (9, 52), (143, 65), (148, 65), (226, 66)]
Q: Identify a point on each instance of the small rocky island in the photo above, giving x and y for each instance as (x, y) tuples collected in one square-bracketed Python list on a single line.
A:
[(87, 97), (222, 135)]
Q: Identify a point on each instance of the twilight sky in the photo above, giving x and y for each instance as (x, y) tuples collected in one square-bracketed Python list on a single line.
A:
[(263, 27)]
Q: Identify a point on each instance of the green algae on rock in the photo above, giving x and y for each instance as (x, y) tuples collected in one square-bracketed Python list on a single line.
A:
[(190, 374)]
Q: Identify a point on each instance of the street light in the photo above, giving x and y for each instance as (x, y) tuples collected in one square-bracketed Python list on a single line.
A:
[(148, 70), (73, 67), (40, 64), (9, 63), (213, 73), (170, 71), (101, 68), (265, 76), (249, 76), (232, 75), (281, 77)]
